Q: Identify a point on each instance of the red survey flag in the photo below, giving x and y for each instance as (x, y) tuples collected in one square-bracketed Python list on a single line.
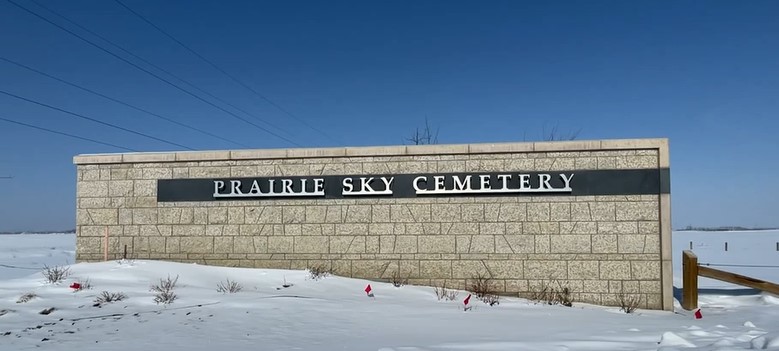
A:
[(368, 290), (75, 286), (698, 314), (467, 300)]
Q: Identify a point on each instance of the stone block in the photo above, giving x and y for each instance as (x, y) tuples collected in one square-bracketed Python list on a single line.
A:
[(357, 214), (515, 244), (604, 243), (631, 243), (263, 215), (505, 269), (346, 244), (120, 188), (311, 244), (189, 230), (144, 187), (538, 212), (492, 228), (217, 215), (293, 214), (578, 227), (585, 270), (86, 189), (352, 229), (223, 244), (435, 269), (560, 212), (617, 227), (603, 211), (645, 270), (466, 269), (445, 212), (281, 244), (372, 244), (649, 227), (546, 270), (472, 212), (197, 245), (380, 213), (615, 270), (512, 212), (571, 244), (543, 243), (436, 244), (638, 211)]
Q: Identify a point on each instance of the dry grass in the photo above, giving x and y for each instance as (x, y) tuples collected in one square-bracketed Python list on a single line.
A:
[(109, 297), (228, 287), (164, 291), (481, 286), (397, 280), (552, 292), (26, 297), (441, 292), (318, 271)]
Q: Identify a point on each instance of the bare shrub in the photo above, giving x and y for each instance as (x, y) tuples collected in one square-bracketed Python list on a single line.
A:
[(26, 297), (55, 274), (228, 287), (491, 299), (109, 297), (397, 280), (443, 293), (628, 302), (552, 292), (318, 271), (481, 286), (164, 291)]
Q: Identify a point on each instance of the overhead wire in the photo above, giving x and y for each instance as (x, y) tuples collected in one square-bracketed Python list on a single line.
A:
[(65, 134), (149, 72), (157, 67), (18, 64), (228, 75), (94, 120)]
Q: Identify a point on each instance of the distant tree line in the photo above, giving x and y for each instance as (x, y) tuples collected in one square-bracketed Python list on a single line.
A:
[(724, 228)]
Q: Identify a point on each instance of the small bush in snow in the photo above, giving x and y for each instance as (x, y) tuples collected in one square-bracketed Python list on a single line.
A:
[(628, 302), (480, 285), (55, 274), (397, 280), (228, 287), (443, 293), (26, 297), (164, 291), (552, 293), (318, 271), (108, 297)]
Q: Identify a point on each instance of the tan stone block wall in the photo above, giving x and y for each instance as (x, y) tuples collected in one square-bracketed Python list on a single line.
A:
[(596, 245)]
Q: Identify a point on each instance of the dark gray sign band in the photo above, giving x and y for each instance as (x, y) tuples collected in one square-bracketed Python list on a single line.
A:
[(583, 183)]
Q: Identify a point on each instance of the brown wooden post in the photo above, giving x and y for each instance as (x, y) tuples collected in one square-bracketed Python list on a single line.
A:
[(689, 280)]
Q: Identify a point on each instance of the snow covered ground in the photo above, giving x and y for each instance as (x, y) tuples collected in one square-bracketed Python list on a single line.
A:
[(334, 313)]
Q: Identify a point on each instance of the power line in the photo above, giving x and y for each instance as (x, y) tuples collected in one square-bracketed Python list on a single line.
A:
[(65, 134), (148, 72), (118, 101), (55, 13), (93, 119), (233, 78)]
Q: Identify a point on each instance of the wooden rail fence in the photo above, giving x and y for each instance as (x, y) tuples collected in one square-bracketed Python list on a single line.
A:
[(691, 270)]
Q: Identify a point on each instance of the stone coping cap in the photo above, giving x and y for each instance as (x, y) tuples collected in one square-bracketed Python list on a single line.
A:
[(363, 151)]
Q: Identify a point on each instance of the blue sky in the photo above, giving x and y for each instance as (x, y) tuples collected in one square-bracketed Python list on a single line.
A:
[(701, 73)]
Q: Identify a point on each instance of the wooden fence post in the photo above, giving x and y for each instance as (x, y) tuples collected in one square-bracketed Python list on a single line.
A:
[(689, 280)]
